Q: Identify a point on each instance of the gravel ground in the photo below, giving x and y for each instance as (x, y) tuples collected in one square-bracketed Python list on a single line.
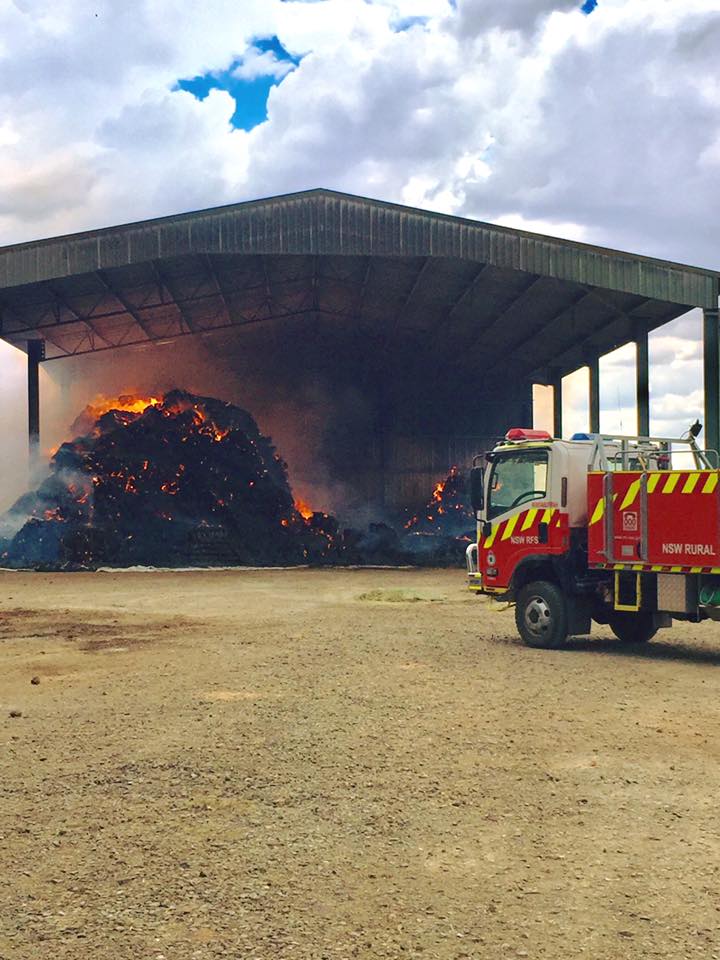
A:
[(345, 764)]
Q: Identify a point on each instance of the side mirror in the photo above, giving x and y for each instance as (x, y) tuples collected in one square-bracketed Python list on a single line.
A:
[(477, 489)]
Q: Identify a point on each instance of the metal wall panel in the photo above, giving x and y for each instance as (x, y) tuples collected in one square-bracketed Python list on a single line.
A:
[(413, 465)]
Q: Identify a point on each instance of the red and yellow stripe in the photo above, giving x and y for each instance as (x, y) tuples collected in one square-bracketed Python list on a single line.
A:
[(663, 483), (521, 523), (654, 568)]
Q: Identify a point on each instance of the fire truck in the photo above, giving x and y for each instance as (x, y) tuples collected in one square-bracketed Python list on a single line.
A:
[(623, 531)]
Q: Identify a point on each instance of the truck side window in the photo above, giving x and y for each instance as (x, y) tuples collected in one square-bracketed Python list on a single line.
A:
[(517, 478)]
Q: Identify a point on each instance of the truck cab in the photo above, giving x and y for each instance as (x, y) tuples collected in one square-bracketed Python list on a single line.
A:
[(532, 504)]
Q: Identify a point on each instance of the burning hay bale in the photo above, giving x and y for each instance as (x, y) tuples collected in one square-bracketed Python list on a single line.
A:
[(447, 512), (441, 532), (184, 480), (162, 482)]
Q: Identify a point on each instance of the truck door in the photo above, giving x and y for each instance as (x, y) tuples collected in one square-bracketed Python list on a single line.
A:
[(520, 520)]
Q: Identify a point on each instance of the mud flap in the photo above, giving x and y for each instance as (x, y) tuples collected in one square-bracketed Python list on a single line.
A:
[(578, 611)]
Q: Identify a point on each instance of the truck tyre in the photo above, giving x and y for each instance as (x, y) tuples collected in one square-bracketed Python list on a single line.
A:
[(541, 615), (632, 627)]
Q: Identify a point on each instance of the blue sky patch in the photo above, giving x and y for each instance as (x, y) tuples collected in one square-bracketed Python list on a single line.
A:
[(405, 23), (589, 6), (248, 80)]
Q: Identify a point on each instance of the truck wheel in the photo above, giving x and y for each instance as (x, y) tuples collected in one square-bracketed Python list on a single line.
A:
[(541, 615), (632, 627)]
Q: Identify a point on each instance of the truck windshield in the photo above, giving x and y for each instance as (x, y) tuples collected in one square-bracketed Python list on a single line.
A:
[(517, 478)]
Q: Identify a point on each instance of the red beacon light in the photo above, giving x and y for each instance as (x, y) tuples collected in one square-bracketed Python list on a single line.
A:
[(520, 433)]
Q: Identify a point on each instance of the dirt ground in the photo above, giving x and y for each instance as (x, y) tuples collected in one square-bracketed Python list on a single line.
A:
[(345, 764)]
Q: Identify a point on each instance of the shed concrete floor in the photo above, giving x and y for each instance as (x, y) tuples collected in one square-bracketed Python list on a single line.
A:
[(345, 764)]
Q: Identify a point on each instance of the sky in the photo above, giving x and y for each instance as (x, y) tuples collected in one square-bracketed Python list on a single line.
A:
[(595, 120)]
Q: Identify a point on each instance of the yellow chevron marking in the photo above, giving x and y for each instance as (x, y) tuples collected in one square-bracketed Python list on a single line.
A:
[(710, 483), (675, 569), (653, 481), (695, 569), (631, 494), (491, 539), (671, 483), (547, 515), (655, 569), (510, 526), (529, 518), (637, 566), (558, 522), (598, 511), (691, 483)]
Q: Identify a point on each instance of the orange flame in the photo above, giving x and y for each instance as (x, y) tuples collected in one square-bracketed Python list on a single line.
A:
[(304, 509), (130, 403), (436, 506), (137, 404), (127, 403)]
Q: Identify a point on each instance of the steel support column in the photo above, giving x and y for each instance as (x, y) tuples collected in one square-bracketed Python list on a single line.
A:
[(711, 370), (35, 354), (557, 407), (642, 382), (594, 384)]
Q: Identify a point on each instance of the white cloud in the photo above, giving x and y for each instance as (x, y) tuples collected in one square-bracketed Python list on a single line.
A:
[(256, 63), (476, 17), (460, 115), (573, 231)]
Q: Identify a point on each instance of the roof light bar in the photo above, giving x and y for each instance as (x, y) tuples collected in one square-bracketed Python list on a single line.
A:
[(522, 433)]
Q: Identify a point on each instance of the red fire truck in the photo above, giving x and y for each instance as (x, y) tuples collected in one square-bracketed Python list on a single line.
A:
[(624, 531)]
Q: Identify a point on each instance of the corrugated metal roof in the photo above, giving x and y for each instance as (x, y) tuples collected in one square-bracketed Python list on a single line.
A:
[(323, 222), (407, 285)]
